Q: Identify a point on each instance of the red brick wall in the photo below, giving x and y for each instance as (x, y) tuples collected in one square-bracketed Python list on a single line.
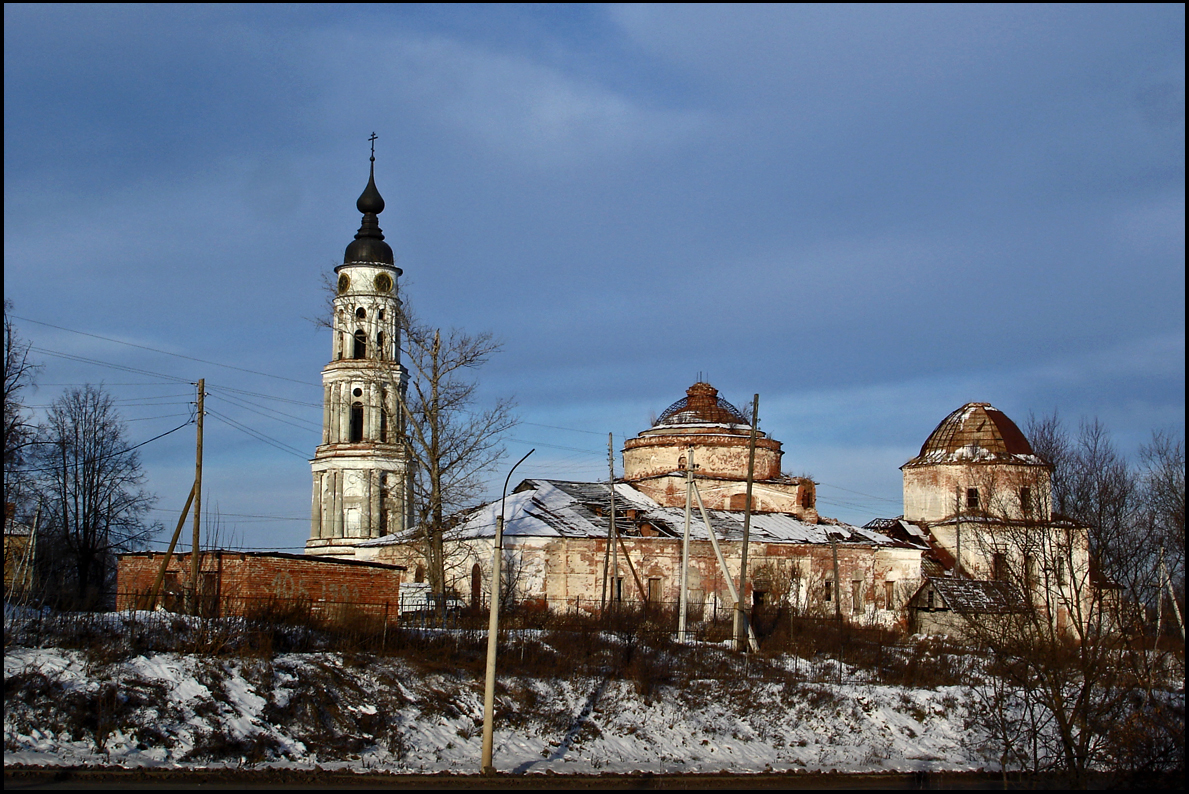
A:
[(259, 577)]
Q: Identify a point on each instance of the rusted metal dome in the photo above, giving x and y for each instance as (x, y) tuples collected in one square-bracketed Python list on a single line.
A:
[(976, 433), (701, 405)]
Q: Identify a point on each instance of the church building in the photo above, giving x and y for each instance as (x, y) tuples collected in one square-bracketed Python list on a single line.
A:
[(560, 552), (977, 530), (361, 470)]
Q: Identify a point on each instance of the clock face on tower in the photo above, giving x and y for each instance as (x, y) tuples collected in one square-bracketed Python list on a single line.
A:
[(383, 283), (344, 283)]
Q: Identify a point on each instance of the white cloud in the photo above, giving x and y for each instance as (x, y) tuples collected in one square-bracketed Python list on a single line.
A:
[(507, 103)]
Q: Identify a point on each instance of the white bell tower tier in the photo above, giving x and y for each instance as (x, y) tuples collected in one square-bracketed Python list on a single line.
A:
[(361, 476)]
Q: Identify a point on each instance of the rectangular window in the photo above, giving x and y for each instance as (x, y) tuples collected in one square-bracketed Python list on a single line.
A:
[(972, 498), (856, 595), (829, 592), (1026, 500), (654, 590), (999, 566), (889, 595)]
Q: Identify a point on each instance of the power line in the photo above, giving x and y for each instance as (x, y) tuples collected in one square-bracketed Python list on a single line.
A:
[(554, 446), (97, 362), (282, 446), (163, 352), (570, 429), (45, 470), (239, 402), (860, 493), (269, 396)]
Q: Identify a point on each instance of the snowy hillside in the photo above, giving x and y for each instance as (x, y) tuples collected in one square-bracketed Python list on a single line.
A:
[(66, 707)]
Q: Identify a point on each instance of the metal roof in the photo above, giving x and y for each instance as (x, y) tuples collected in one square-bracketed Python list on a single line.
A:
[(976, 433), (566, 509), (978, 596)]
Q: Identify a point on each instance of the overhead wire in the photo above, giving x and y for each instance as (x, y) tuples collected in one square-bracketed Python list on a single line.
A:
[(43, 469), (282, 446), (122, 367), (311, 426), (163, 352)]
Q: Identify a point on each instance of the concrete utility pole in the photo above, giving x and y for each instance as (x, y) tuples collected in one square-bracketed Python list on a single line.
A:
[(1167, 583), (689, 498), (740, 614), (493, 630), (837, 584), (197, 498), (613, 536), (722, 563)]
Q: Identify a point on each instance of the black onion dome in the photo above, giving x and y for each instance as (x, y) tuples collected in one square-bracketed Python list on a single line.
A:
[(369, 245)]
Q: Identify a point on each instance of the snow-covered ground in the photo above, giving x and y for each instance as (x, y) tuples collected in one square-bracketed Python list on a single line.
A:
[(66, 707)]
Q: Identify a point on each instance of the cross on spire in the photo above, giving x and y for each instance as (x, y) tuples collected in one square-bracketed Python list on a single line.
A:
[(373, 140)]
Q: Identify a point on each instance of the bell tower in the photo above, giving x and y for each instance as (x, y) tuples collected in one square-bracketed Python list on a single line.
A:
[(361, 485)]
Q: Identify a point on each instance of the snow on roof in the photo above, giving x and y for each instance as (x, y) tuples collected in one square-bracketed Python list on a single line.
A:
[(976, 596), (559, 508)]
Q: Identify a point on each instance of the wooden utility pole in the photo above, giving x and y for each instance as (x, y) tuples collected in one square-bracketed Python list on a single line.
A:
[(740, 615), (197, 499), (152, 600)]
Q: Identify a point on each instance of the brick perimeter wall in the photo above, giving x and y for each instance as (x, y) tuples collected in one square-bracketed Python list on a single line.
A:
[(258, 578)]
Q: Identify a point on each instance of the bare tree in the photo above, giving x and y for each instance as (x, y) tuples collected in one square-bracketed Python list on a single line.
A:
[(1163, 494), (19, 431), (90, 483), (451, 441), (1061, 663)]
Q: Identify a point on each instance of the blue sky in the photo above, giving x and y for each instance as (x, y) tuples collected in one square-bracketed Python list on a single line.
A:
[(868, 215)]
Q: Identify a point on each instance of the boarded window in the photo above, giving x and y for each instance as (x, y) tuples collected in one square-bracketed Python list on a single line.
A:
[(654, 590), (856, 595), (889, 595)]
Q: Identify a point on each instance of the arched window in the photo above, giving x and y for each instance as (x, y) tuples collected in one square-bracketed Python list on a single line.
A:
[(356, 423), (380, 346), (419, 574), (476, 585), (360, 345)]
